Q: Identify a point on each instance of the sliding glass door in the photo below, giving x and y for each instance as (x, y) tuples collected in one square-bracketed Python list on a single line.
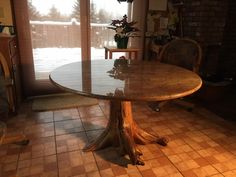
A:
[(55, 32)]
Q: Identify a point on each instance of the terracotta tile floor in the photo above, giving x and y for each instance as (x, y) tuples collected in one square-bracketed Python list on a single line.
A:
[(201, 144)]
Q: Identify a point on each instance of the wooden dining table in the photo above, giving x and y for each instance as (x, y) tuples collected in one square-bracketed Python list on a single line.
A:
[(121, 82)]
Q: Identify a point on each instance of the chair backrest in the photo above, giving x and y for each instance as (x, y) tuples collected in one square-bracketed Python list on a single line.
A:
[(4, 74), (183, 52), (4, 66)]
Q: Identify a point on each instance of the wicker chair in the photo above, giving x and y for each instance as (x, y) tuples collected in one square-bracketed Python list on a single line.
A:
[(7, 81), (6, 104), (182, 52)]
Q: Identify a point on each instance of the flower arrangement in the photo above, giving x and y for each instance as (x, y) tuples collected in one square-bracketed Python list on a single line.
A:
[(123, 28)]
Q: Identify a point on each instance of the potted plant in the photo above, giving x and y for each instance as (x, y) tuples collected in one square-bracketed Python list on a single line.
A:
[(124, 30)]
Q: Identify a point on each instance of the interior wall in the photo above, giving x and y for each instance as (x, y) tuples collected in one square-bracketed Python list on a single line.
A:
[(5, 12)]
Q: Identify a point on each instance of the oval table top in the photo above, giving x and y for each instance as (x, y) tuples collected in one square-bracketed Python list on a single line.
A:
[(126, 80)]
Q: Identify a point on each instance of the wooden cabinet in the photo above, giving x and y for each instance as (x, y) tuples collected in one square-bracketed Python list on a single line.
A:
[(8, 47)]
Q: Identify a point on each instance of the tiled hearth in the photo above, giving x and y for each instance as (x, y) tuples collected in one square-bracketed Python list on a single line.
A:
[(201, 144)]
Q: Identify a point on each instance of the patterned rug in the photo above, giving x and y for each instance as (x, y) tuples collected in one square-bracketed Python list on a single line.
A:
[(61, 101)]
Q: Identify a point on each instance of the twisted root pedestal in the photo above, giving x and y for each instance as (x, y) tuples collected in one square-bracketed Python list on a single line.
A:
[(122, 131)]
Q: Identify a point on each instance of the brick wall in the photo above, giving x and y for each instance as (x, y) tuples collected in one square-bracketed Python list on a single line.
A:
[(204, 20), (228, 54), (191, 19), (211, 23)]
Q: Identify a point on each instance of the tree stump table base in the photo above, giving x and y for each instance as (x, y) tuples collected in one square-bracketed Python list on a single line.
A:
[(123, 132)]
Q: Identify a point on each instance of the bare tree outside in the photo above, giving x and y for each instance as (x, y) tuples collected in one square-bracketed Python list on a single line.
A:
[(33, 12), (76, 10), (54, 14), (93, 13)]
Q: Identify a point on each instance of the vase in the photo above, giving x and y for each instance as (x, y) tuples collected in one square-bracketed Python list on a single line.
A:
[(122, 42)]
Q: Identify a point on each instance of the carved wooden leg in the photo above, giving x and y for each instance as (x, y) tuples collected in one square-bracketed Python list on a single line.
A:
[(110, 136), (122, 131), (127, 142)]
